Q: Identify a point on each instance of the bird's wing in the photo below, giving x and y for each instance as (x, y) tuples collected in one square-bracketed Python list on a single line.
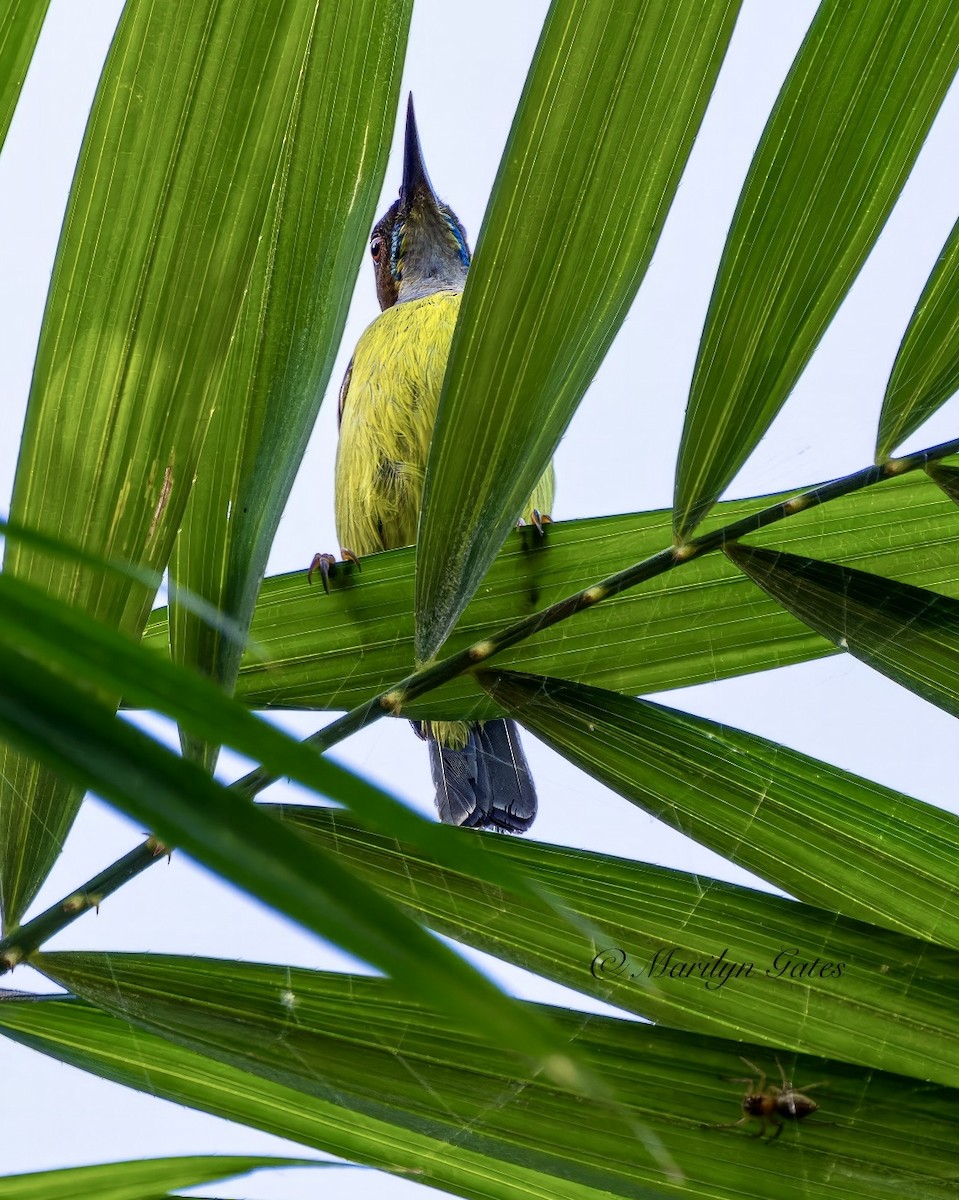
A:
[(344, 388)]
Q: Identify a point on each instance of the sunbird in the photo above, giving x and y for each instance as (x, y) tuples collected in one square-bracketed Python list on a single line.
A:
[(387, 410)]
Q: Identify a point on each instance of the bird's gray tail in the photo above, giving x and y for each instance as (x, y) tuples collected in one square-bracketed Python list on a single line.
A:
[(487, 783)]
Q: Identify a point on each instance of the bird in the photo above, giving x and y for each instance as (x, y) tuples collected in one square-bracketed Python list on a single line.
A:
[(387, 409)]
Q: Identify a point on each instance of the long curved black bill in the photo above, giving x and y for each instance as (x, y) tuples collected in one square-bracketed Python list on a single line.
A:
[(415, 178)]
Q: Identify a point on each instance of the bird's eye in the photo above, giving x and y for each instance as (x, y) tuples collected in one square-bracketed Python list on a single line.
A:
[(376, 248)]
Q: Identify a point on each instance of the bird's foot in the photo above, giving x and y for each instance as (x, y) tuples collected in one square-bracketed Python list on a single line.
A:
[(326, 563), (538, 519)]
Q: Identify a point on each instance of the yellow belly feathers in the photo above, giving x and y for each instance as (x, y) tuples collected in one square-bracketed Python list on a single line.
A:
[(389, 408)]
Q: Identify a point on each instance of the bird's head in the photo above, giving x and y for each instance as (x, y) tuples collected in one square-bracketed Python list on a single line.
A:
[(418, 246)]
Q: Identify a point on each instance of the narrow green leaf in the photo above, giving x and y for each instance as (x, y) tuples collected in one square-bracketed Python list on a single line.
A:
[(610, 110), (167, 208), (926, 371), (149, 578), (686, 951), (837, 149), (20, 25), (74, 734), (92, 1040), (701, 622), (906, 632), (205, 1004), (144, 1179), (829, 837), (464, 1111), (293, 314), (74, 646), (946, 477)]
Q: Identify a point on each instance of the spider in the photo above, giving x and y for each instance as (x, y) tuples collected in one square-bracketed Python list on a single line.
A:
[(771, 1104)]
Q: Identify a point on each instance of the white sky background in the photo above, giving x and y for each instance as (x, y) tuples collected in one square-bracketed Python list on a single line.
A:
[(618, 456)]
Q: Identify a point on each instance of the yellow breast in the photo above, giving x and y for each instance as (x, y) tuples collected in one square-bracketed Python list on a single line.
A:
[(392, 392), (388, 416)]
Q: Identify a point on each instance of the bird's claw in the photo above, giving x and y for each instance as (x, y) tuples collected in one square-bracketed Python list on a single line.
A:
[(540, 519), (325, 564)]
